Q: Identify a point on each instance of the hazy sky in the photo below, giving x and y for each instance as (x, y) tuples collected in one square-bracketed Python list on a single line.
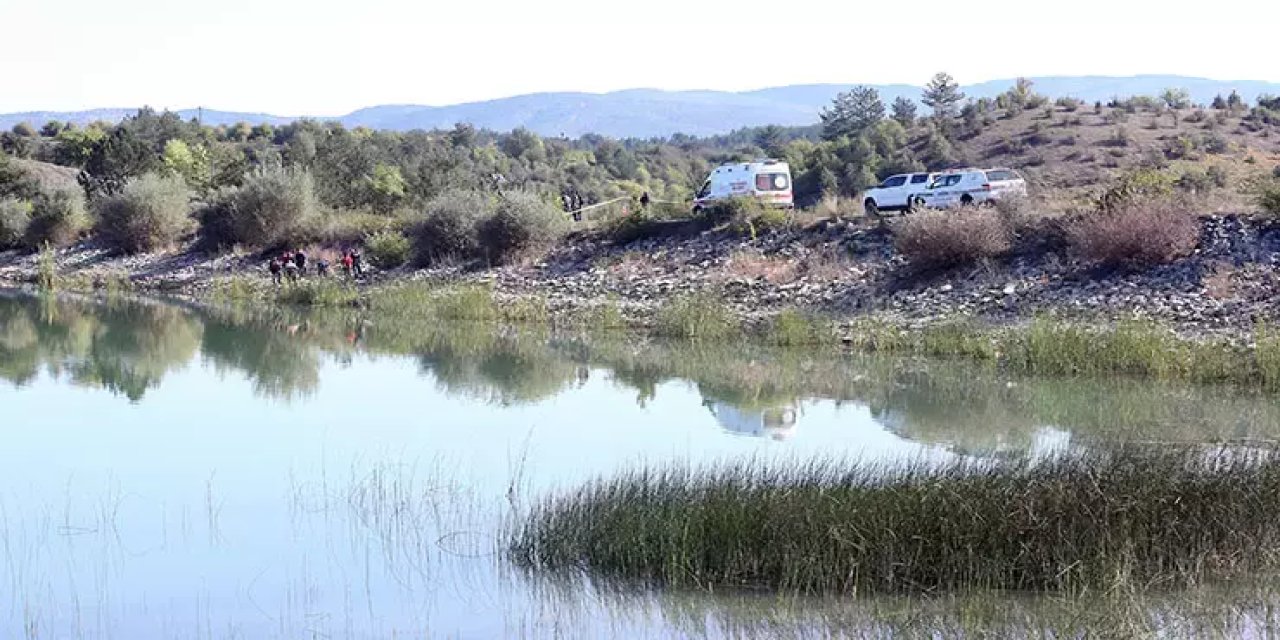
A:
[(328, 57)]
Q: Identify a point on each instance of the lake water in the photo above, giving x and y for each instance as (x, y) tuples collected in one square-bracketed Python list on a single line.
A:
[(174, 472)]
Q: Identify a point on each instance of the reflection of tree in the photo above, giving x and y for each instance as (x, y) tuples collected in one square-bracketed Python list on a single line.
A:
[(273, 352), (136, 345), (126, 348), (503, 369)]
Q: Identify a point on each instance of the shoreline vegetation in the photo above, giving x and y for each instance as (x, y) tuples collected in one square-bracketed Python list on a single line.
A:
[(1046, 344), (1111, 520)]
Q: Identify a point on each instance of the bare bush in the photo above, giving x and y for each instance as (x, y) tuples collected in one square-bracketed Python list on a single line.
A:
[(936, 240), (1137, 234)]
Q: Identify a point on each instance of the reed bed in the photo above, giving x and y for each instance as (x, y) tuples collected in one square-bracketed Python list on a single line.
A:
[(1131, 516)]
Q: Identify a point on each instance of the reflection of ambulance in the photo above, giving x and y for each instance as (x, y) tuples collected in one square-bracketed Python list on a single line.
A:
[(777, 423), (766, 180)]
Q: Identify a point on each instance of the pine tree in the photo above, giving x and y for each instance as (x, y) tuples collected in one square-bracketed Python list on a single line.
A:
[(942, 94), (769, 139), (852, 113), (904, 111)]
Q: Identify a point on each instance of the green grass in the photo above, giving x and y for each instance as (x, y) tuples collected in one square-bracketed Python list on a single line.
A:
[(696, 317), (318, 293), (1103, 520), (792, 328), (1047, 346)]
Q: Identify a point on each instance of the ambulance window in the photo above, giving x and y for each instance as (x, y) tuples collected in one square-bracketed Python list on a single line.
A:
[(772, 182)]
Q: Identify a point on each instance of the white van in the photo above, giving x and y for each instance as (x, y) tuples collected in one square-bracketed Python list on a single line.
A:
[(896, 193), (766, 180), (964, 187)]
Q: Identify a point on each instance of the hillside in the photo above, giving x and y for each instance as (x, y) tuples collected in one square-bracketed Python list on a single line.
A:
[(1065, 150), (643, 113)]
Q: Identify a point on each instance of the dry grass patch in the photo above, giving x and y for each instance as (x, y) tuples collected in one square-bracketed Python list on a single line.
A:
[(754, 265)]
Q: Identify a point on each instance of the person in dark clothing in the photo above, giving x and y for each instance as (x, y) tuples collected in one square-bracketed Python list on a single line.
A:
[(356, 265), (322, 267), (644, 200), (300, 260), (274, 267)]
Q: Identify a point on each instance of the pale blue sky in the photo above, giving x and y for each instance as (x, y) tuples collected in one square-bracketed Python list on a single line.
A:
[(328, 57)]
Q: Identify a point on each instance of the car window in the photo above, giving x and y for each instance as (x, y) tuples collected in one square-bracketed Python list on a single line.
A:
[(947, 181), (919, 178), (1000, 174), (772, 182), (896, 181)]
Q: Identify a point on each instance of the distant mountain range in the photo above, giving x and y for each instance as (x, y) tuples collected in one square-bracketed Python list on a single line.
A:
[(643, 113)]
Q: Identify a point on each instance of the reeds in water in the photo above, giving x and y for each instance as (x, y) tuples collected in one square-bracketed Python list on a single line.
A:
[(1104, 520)]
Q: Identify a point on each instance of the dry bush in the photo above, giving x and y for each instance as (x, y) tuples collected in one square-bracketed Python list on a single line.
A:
[(753, 265), (1137, 234), (936, 240)]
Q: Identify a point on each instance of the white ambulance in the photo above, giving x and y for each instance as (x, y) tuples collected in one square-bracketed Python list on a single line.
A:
[(766, 180)]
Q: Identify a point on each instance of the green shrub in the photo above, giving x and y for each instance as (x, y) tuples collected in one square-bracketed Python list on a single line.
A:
[(1136, 185), (388, 249), (521, 222), (938, 240), (15, 216), (58, 218), (450, 227), (150, 213), (272, 207), (1136, 234), (730, 210), (1269, 199)]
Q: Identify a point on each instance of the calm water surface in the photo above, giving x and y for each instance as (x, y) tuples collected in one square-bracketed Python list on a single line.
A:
[(171, 472)]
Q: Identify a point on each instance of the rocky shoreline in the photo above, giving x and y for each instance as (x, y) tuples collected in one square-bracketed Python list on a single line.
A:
[(846, 270)]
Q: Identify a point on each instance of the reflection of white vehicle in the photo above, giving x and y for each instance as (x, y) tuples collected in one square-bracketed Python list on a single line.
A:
[(766, 180), (777, 423), (896, 193), (965, 187)]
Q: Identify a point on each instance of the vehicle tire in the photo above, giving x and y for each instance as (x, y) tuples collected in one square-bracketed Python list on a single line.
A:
[(697, 211), (870, 207), (966, 200)]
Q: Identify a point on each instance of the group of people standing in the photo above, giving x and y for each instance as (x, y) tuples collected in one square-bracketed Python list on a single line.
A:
[(292, 265)]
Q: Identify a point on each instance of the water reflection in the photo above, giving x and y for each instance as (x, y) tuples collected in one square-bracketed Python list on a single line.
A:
[(128, 348)]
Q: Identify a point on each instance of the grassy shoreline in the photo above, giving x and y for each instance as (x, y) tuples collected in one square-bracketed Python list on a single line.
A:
[(1040, 345)]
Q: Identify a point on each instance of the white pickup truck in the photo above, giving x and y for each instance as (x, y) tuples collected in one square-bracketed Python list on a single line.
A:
[(965, 187), (896, 193)]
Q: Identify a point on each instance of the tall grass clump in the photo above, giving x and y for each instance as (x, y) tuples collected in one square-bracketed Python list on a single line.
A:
[(150, 213), (388, 249), (1106, 519), (1135, 234), (521, 222), (450, 227), (695, 317), (47, 268), (58, 218), (791, 328), (939, 240), (272, 207), (15, 216)]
